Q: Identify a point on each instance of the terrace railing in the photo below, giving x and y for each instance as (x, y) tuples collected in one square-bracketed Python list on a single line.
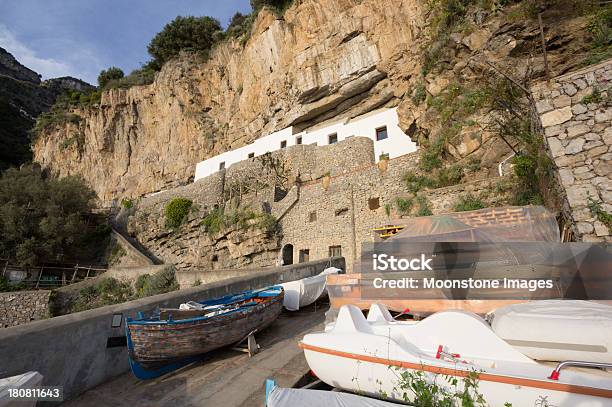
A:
[(48, 276)]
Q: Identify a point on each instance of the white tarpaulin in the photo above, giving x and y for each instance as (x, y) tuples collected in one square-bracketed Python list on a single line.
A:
[(280, 397), (301, 293)]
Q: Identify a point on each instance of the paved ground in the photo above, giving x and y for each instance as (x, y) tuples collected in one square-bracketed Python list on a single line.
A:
[(227, 378)]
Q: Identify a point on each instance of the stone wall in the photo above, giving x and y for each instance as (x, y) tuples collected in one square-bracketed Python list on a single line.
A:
[(576, 112), (21, 307), (345, 213), (72, 350), (336, 196)]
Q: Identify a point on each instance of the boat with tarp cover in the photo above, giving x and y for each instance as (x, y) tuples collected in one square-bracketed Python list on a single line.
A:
[(173, 338)]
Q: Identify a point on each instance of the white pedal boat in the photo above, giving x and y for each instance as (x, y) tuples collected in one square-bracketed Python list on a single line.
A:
[(369, 356), (301, 293)]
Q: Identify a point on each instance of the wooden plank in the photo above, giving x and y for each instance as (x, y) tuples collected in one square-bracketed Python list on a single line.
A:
[(178, 314)]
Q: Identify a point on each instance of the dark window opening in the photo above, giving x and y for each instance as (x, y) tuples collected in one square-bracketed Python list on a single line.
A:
[(373, 203), (312, 217), (381, 133), (335, 251), (222, 165), (287, 254), (304, 255), (298, 140), (279, 193), (283, 144), (332, 138), (214, 258), (251, 155)]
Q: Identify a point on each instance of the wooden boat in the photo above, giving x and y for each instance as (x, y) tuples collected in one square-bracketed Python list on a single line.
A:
[(26, 380), (372, 356), (301, 293), (173, 338)]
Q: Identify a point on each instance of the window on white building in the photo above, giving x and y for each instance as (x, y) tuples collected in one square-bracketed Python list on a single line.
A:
[(222, 165), (332, 138), (298, 140), (283, 143), (381, 133)]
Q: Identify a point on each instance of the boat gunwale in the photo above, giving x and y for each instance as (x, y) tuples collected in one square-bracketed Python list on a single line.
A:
[(484, 376), (277, 290)]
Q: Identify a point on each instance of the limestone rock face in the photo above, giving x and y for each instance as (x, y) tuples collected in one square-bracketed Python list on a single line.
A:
[(191, 245), (324, 59)]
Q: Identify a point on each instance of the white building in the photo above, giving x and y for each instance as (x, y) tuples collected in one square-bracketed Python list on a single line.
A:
[(380, 125)]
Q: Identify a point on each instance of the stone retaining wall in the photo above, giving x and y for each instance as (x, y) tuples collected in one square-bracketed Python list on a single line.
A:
[(21, 307), (576, 112), (73, 350)]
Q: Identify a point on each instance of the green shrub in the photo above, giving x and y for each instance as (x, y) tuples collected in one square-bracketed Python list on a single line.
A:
[(601, 215), (424, 208), (525, 169), (468, 203), (268, 223), (277, 5), (161, 282), (5, 286), (524, 166), (404, 206), (419, 391), (240, 25), (432, 154), (107, 291), (419, 94), (116, 254), (450, 175), (107, 75), (41, 217), (600, 27), (138, 77), (594, 97), (127, 203), (194, 34), (177, 211), (215, 221), (416, 183)]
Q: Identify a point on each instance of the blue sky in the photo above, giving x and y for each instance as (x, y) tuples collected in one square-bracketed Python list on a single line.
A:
[(81, 37)]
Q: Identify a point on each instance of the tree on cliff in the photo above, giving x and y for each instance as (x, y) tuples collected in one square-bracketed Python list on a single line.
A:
[(41, 218), (197, 34), (107, 75), (276, 4)]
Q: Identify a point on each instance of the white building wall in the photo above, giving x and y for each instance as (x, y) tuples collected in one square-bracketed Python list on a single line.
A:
[(396, 144)]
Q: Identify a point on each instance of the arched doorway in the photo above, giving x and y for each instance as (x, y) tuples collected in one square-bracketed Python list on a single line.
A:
[(287, 254)]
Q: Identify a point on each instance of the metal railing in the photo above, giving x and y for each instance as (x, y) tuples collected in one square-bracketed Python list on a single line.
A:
[(46, 276)]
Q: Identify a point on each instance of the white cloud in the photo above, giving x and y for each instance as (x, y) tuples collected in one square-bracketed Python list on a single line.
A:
[(47, 67)]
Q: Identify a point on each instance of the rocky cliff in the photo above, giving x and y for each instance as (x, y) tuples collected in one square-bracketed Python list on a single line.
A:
[(322, 59), (22, 98)]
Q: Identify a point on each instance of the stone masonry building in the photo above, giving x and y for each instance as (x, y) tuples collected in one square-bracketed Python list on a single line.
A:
[(336, 195)]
